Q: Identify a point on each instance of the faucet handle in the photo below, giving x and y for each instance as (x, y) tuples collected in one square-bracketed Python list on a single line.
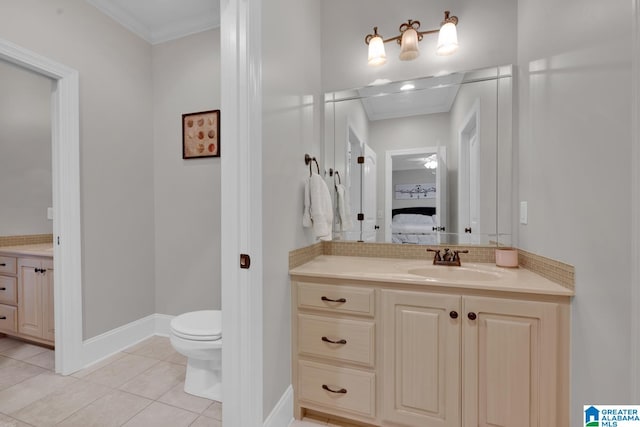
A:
[(456, 254), (436, 256)]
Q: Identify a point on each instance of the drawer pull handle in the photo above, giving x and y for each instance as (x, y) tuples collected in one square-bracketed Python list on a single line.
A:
[(3, 317), (4, 264), (341, 300), (341, 391), (325, 339), (3, 289)]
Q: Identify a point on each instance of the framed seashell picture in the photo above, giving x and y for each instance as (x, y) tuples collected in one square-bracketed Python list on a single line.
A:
[(201, 134)]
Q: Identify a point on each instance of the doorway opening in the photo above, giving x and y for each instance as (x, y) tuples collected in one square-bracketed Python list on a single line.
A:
[(65, 141)]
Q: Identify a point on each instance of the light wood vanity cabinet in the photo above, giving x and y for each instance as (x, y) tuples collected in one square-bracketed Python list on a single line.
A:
[(430, 356), (35, 298), (26, 298)]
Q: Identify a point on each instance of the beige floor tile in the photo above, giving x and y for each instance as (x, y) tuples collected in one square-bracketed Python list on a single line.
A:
[(122, 370), (177, 358), (155, 381), (214, 411), (203, 421), (6, 421), (111, 410), (23, 351), (161, 415), (46, 360), (14, 371), (155, 347), (6, 342), (57, 406), (177, 397), (16, 397), (89, 370)]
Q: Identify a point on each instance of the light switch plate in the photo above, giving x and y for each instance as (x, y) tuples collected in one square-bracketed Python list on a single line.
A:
[(523, 213), (49, 213)]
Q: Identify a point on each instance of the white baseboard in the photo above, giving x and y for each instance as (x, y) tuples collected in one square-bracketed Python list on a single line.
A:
[(282, 414), (104, 345), (162, 324)]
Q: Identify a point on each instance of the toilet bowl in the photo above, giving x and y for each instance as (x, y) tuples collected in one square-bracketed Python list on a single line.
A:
[(198, 336)]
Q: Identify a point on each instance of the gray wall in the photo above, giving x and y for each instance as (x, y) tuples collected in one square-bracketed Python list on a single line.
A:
[(574, 113), (25, 151), (116, 144), (186, 79), (292, 103)]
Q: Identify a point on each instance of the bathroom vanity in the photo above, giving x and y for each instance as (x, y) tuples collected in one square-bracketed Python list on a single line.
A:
[(26, 292), (395, 342)]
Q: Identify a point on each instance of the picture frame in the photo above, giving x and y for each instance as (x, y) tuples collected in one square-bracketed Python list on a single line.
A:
[(201, 134)]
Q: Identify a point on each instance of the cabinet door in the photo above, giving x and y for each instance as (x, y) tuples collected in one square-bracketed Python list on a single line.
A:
[(29, 297), (421, 364), (510, 349), (48, 321)]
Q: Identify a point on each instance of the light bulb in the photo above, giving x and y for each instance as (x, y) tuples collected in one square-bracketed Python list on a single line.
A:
[(447, 39), (377, 55), (409, 45)]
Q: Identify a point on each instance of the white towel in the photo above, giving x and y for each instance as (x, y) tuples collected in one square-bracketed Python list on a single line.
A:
[(344, 208), (318, 210)]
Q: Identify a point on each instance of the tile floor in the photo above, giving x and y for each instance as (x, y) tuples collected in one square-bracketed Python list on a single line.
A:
[(139, 387)]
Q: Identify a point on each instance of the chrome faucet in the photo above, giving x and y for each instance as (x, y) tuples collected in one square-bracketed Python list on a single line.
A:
[(448, 258)]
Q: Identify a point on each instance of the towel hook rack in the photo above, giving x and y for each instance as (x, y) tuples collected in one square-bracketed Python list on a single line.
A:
[(307, 161)]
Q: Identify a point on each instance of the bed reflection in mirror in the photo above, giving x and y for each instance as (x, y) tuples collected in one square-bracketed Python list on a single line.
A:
[(426, 161)]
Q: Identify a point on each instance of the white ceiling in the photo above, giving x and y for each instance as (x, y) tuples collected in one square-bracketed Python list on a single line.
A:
[(428, 96), (158, 21)]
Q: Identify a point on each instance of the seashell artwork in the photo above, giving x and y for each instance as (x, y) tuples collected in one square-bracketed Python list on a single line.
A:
[(201, 134)]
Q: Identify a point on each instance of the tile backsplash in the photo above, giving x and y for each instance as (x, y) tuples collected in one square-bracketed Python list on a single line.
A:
[(30, 239)]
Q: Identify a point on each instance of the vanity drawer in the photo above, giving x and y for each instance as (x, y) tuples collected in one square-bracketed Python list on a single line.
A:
[(339, 299), (8, 318), (353, 340), (348, 390), (8, 290), (8, 264)]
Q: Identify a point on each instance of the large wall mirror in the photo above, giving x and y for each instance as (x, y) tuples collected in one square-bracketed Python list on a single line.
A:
[(423, 161)]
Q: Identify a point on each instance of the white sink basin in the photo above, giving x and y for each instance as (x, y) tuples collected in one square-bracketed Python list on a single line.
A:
[(456, 274)]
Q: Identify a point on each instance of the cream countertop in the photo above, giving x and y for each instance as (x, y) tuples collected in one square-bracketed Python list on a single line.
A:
[(41, 249), (392, 270)]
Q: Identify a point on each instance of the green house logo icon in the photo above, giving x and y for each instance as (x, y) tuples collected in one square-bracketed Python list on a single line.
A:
[(591, 417)]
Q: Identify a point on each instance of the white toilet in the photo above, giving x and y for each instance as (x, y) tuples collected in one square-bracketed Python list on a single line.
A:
[(198, 336)]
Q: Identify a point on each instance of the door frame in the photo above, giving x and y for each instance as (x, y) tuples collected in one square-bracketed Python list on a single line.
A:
[(388, 180), (67, 248), (635, 205), (241, 217)]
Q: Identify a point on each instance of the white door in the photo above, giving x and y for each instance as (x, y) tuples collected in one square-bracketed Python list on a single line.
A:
[(369, 177), (441, 192), (474, 188)]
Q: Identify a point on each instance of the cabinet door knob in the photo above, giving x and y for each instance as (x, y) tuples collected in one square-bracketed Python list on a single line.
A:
[(3, 289), (341, 391), (4, 264), (341, 300), (325, 339), (3, 317), (472, 316), (453, 314)]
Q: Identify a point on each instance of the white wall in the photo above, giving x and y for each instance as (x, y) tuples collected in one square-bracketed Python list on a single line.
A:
[(116, 150), (186, 79), (292, 105), (574, 116), (25, 151), (486, 32)]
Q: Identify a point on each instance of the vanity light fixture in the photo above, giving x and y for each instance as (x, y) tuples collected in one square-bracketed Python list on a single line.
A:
[(409, 38)]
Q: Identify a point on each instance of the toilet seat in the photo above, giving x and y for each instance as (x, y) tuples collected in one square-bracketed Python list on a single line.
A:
[(204, 325)]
